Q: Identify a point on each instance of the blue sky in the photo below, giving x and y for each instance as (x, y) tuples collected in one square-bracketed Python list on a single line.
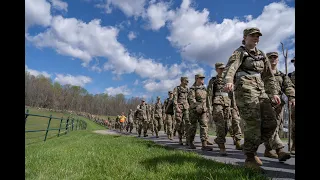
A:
[(143, 47)]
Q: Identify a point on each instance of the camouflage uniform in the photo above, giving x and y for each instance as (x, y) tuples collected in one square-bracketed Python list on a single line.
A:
[(293, 113), (142, 119), (130, 121), (164, 117), (158, 114), (198, 98), (220, 108), (253, 76), (169, 116), (285, 87), (180, 100), (150, 118)]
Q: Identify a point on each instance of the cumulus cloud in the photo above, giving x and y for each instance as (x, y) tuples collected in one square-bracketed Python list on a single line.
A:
[(117, 90), (37, 12), (60, 5), (205, 41), (157, 14), (132, 35), (136, 82), (72, 80), (128, 7), (37, 73)]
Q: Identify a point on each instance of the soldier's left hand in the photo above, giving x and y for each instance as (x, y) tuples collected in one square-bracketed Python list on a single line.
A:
[(292, 102), (277, 100)]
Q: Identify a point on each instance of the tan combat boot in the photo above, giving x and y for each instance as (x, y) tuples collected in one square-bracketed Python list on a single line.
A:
[(180, 141), (205, 147), (238, 145), (257, 159), (268, 153), (191, 145), (157, 135), (170, 137), (282, 156), (251, 162), (293, 148), (222, 150), (209, 142)]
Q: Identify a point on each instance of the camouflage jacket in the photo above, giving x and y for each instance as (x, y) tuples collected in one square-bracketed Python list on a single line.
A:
[(197, 98), (285, 85), (216, 85), (165, 104), (142, 111), (158, 110), (256, 61), (180, 97), (130, 116)]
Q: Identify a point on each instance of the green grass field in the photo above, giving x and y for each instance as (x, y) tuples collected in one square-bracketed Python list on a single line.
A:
[(86, 155)]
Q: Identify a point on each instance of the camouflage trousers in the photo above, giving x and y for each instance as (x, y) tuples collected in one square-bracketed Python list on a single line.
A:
[(164, 121), (203, 123), (182, 123), (293, 124), (151, 126), (129, 126), (275, 140), (256, 110), (169, 119), (234, 125), (221, 116), (157, 123), (142, 124), (155, 126)]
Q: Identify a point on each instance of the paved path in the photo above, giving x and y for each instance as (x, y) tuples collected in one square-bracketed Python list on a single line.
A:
[(273, 168)]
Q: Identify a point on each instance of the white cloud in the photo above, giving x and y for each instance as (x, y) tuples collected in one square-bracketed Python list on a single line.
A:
[(128, 7), (168, 84), (132, 35), (157, 15), (73, 80), (60, 5), (37, 12), (37, 73), (117, 90), (136, 82), (205, 41)]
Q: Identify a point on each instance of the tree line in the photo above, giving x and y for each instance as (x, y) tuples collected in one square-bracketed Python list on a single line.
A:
[(41, 92)]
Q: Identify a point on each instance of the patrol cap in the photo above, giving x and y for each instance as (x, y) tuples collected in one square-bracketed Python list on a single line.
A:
[(158, 97), (199, 75), (272, 54), (251, 30), (170, 92), (143, 100), (184, 78), (219, 65), (293, 60)]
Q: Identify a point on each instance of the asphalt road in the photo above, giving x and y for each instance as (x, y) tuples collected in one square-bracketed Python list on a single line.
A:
[(273, 168)]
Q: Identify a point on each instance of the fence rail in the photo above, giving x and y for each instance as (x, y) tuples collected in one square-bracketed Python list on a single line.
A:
[(70, 124)]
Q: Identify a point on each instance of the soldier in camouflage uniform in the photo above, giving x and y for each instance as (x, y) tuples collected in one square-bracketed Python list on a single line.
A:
[(181, 106), (150, 118), (219, 103), (142, 118), (285, 87), (164, 118), (252, 71), (199, 112), (158, 114), (130, 121), (293, 112), (168, 106)]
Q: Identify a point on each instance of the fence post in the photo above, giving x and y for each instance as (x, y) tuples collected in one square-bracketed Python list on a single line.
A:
[(60, 126), (80, 125), (67, 123), (25, 120), (77, 124), (45, 138), (72, 123)]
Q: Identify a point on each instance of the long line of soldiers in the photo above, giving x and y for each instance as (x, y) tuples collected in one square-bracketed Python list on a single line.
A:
[(249, 86)]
